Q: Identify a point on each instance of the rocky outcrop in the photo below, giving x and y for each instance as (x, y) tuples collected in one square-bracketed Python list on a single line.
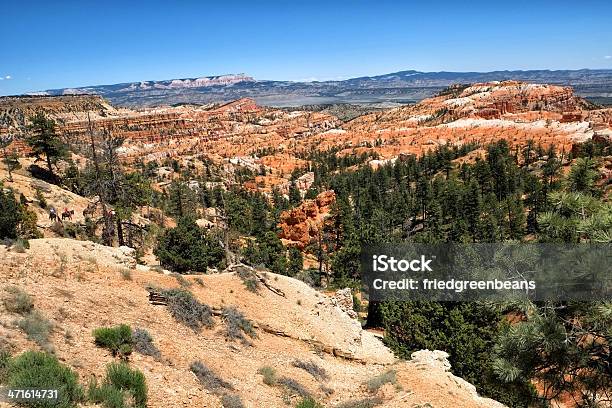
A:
[(436, 362), (300, 225), (15, 110), (343, 298)]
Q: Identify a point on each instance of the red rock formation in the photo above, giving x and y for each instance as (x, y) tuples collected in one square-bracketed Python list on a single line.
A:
[(280, 141), (299, 226)]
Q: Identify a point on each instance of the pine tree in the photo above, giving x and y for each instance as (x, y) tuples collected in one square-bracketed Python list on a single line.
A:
[(295, 197), (472, 206), (272, 252), (582, 176), (182, 200), (10, 159), (10, 214), (188, 248), (295, 262), (345, 264), (44, 141), (563, 348), (259, 213)]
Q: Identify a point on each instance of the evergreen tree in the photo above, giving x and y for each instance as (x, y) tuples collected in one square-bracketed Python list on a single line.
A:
[(516, 217), (182, 200), (295, 197), (10, 159), (565, 349), (238, 212), (44, 141), (188, 248), (259, 213), (472, 206), (582, 176), (134, 191), (295, 263), (272, 252), (10, 214), (345, 264)]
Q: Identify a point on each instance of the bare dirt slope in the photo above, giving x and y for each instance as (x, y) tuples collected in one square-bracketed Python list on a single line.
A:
[(80, 286), (54, 196)]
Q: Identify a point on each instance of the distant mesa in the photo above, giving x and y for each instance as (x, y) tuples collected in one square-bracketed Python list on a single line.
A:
[(203, 82), (398, 87)]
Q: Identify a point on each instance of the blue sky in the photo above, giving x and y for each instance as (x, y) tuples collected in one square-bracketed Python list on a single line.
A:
[(56, 44)]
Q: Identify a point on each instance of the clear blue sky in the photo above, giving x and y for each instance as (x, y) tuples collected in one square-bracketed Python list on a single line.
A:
[(56, 44)]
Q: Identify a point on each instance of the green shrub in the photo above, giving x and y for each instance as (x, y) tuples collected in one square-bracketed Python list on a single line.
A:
[(116, 339), (28, 228), (18, 301), (131, 380), (21, 245), (308, 403), (249, 278), (208, 378), (10, 214), (5, 359), (387, 377), (231, 401), (186, 309), (237, 325), (107, 395), (41, 370), (42, 201), (269, 375), (188, 248), (357, 306), (36, 327), (120, 385)]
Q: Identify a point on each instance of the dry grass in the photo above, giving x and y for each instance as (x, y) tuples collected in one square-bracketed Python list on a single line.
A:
[(37, 328), (237, 325), (388, 377), (232, 401), (294, 387), (208, 378), (18, 301), (362, 403), (269, 375), (126, 274), (186, 309), (143, 343), (312, 368)]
